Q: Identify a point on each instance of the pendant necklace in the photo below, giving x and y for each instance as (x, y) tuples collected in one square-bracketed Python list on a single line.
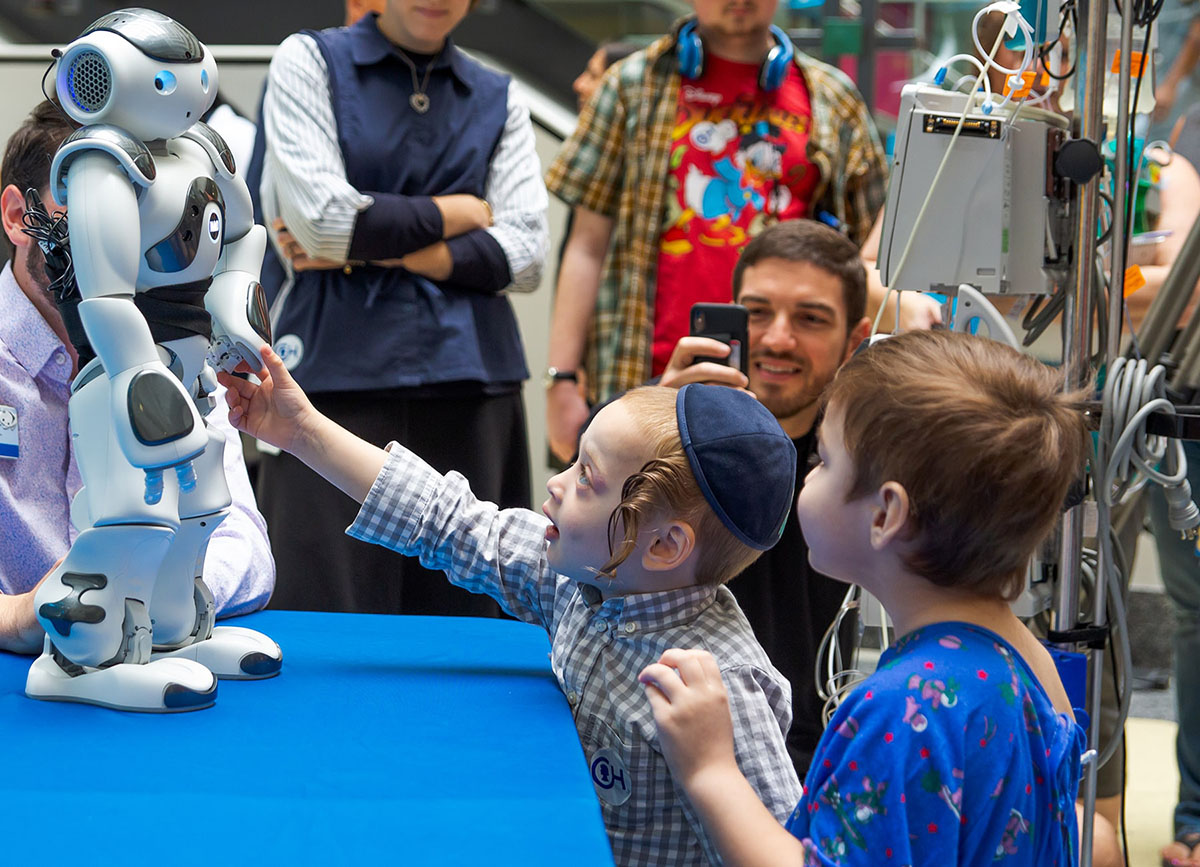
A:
[(419, 99)]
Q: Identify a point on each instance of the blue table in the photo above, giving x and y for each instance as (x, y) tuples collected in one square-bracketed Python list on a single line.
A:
[(397, 740)]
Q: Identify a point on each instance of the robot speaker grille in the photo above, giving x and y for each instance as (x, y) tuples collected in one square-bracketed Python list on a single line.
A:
[(89, 81)]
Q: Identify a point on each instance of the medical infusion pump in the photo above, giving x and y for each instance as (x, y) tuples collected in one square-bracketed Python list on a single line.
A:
[(997, 215)]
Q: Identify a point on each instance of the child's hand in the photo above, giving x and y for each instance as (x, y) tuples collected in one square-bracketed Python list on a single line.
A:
[(277, 411), (691, 708)]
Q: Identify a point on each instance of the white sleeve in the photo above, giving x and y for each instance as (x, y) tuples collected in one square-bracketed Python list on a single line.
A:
[(304, 174), (517, 194)]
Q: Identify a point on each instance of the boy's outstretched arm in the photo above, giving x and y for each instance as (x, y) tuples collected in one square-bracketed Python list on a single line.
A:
[(278, 411), (691, 709)]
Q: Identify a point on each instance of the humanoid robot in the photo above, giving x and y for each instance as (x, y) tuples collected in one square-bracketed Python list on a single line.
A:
[(166, 257)]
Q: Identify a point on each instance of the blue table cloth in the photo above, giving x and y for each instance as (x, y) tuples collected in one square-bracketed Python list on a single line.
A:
[(397, 740)]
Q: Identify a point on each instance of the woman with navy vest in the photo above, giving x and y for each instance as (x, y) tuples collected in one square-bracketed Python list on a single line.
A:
[(406, 177)]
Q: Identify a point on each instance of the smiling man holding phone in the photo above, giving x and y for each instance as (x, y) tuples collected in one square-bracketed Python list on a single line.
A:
[(803, 286)]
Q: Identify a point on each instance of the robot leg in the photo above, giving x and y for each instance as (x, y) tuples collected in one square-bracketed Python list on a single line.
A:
[(94, 606), (98, 633), (182, 606)]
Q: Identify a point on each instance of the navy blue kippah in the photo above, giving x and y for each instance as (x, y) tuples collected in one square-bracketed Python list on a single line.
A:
[(743, 461)]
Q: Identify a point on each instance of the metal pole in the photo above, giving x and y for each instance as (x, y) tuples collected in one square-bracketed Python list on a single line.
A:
[(1066, 607), (1088, 123), (1077, 331), (1121, 192)]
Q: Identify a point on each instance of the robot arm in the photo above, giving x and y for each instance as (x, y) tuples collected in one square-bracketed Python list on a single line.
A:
[(156, 423), (235, 300)]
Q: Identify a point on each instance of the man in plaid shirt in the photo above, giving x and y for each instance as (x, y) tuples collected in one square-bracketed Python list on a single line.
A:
[(629, 559), (687, 150)]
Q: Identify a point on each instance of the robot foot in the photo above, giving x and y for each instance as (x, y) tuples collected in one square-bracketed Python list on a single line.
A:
[(232, 653), (166, 686)]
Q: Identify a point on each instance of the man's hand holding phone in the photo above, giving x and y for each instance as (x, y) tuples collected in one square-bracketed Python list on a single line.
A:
[(684, 368), (716, 351)]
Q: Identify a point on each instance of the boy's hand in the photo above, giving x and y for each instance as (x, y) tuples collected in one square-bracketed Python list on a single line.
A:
[(682, 367), (277, 411), (691, 708)]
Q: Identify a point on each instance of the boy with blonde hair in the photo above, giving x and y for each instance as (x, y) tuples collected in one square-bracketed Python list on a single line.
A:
[(945, 460), (673, 493)]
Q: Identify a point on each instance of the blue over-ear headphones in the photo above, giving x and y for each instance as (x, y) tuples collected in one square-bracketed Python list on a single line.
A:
[(771, 74)]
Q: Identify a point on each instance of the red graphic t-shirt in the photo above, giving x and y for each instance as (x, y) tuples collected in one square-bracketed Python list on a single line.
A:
[(738, 164)]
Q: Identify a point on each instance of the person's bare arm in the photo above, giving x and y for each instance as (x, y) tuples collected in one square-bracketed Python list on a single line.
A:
[(1185, 62), (695, 730), (1180, 199), (20, 631), (278, 412), (574, 304)]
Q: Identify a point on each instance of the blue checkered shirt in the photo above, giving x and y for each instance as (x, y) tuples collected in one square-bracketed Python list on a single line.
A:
[(598, 647)]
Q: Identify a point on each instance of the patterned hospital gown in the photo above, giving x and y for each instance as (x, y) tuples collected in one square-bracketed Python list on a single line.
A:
[(951, 753)]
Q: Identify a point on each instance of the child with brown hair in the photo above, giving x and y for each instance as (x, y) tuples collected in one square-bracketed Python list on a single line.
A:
[(673, 493), (944, 461)]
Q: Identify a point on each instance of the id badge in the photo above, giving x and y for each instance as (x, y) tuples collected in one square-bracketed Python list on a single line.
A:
[(9, 442)]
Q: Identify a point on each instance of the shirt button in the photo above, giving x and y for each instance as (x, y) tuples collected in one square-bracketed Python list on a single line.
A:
[(572, 698), (600, 625), (630, 627)]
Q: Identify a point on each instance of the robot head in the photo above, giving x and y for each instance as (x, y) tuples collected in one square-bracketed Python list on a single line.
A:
[(139, 70)]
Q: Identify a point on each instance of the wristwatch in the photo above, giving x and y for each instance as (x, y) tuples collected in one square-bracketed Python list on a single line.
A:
[(553, 375)]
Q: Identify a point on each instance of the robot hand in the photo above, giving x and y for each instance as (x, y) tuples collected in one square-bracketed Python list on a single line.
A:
[(240, 321), (238, 305)]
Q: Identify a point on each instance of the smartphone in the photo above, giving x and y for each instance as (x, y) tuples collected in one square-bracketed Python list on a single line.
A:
[(728, 323)]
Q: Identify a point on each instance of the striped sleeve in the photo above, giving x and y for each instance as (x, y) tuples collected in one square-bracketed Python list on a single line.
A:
[(515, 190), (304, 175), (415, 510)]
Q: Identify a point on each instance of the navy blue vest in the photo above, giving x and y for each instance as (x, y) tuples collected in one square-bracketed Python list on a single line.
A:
[(387, 328)]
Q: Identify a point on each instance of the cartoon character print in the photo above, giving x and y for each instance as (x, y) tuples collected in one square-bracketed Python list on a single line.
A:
[(1017, 825), (950, 793), (853, 811), (831, 797), (935, 691), (913, 715), (869, 803), (989, 732), (746, 177), (830, 849), (726, 195), (757, 162), (760, 155), (1011, 690)]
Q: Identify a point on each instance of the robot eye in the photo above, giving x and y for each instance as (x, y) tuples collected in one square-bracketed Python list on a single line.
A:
[(204, 80), (164, 82)]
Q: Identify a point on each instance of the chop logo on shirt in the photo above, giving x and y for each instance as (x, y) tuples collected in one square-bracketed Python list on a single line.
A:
[(611, 777), (290, 349)]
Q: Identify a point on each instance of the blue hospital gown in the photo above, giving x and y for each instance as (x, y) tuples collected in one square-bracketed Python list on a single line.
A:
[(950, 753)]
